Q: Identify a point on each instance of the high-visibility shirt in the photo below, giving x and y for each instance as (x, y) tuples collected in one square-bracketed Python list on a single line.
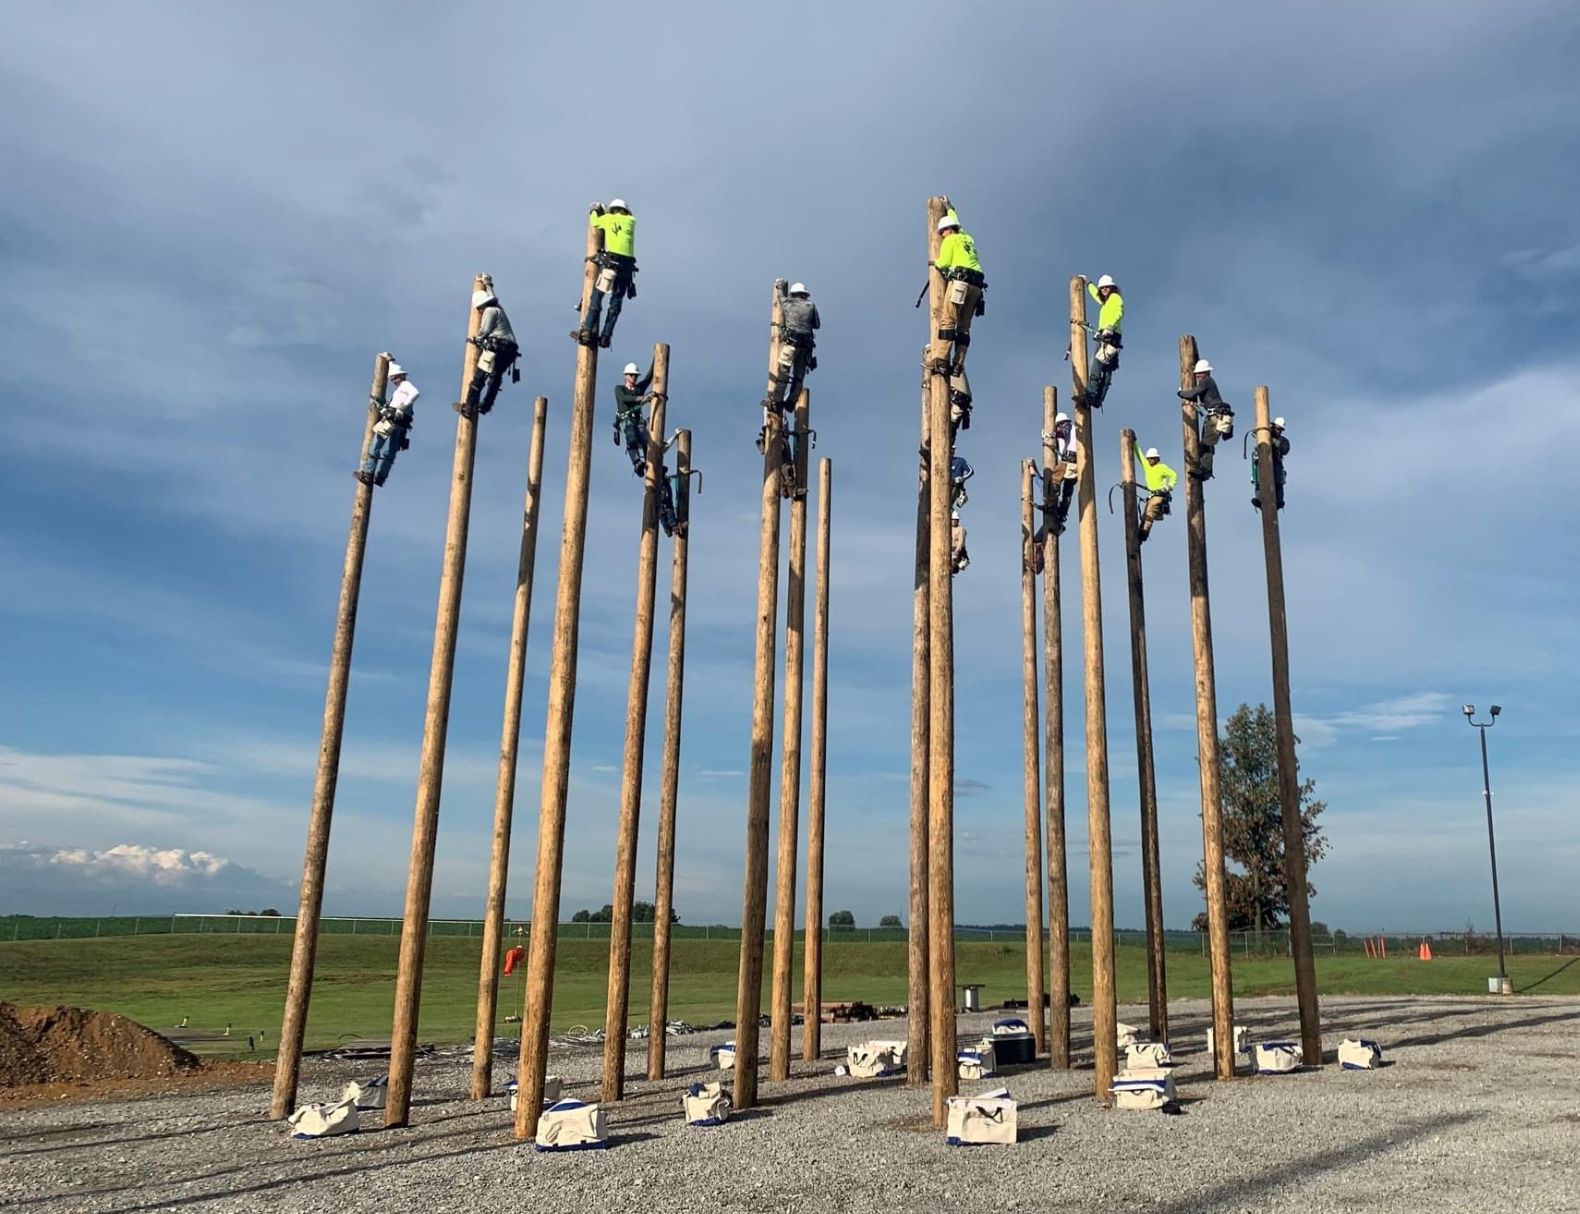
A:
[(1159, 476), (957, 251), (619, 233), (1111, 311)]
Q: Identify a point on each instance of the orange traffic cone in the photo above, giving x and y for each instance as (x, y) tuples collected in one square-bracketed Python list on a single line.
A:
[(1426, 951)]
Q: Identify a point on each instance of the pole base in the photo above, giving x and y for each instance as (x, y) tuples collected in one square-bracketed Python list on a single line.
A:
[(1500, 986)]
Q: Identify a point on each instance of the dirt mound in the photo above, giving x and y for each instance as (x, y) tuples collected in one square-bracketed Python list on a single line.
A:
[(55, 1044)]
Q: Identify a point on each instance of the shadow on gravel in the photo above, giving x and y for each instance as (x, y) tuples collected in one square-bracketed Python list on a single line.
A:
[(89, 1144), (1487, 1030), (1243, 1194), (888, 1081)]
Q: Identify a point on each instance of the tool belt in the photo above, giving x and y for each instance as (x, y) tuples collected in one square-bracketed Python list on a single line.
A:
[(961, 274), (1109, 344), (796, 338)]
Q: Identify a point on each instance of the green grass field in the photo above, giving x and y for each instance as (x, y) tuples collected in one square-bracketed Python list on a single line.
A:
[(240, 980)]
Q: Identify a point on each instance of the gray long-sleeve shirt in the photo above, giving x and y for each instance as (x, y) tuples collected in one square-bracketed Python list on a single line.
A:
[(799, 316), (1205, 392), (494, 327)]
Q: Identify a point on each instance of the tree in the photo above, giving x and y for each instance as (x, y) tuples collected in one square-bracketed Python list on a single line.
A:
[(1253, 832), (582, 916), (842, 920), (890, 921), (646, 912)]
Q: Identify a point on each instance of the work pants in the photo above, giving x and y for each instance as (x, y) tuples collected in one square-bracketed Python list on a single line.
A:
[(784, 385), (489, 375), (382, 451), (954, 324), (623, 268)]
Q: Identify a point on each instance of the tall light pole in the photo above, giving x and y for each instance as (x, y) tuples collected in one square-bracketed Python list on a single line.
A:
[(1492, 844)]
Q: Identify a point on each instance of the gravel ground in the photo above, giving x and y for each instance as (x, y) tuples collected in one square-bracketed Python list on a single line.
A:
[(1474, 1111)]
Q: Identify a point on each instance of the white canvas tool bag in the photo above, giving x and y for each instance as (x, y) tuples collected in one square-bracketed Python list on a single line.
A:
[(976, 1062), (1277, 1057), (1143, 1088), (1128, 1034), (706, 1104), (485, 361), (570, 1125), (1148, 1054), (723, 1056), (551, 1090), (324, 1120), (1358, 1054), (979, 1119), (369, 1094), (1242, 1039), (870, 1059)]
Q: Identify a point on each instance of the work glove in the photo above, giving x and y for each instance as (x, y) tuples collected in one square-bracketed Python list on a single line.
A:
[(596, 208)]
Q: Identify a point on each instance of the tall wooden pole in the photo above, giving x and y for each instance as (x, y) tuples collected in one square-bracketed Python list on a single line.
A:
[(941, 731), (754, 910), (1033, 768), (812, 957), (539, 997), (304, 949), (1288, 771), (1151, 867), (918, 1067), (1105, 1007), (1053, 767), (617, 1005), (430, 769), (505, 785), (664, 893), (1207, 733), (790, 765)]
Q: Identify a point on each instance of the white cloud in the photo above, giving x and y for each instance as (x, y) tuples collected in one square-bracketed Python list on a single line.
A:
[(133, 878), (1400, 712)]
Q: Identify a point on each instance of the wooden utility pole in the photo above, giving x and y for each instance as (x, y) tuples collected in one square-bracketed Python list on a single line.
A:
[(1288, 771), (617, 1005), (1033, 781), (1105, 1007), (505, 785), (812, 959), (790, 764), (304, 949), (941, 731), (664, 894), (754, 911), (918, 1062), (1207, 731), (430, 769), (539, 997), (1151, 868), (1053, 764)]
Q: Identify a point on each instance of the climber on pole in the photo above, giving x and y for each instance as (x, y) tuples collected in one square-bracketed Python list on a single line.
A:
[(1214, 417), (1280, 444), (1105, 360), (630, 423), (959, 557), (1160, 479), (616, 271), (959, 473), (496, 355), (964, 284), (798, 319), (1061, 441), (391, 430)]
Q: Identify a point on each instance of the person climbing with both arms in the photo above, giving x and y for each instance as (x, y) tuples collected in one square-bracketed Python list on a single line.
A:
[(1214, 417), (616, 271), (959, 557), (1280, 444), (496, 355), (631, 429), (798, 320), (1061, 441), (1160, 479), (1105, 359), (964, 283), (391, 429)]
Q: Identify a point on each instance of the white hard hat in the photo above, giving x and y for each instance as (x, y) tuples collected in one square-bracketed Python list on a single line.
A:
[(947, 222), (799, 288), (631, 369), (1279, 422), (1107, 280), (1152, 453), (1060, 417), (1203, 366), (479, 298), (396, 369), (955, 515), (618, 202)]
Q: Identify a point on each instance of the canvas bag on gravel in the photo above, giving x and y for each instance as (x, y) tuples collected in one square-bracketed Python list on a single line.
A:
[(1358, 1054), (1277, 1057), (1143, 1088), (324, 1120), (723, 1056), (1127, 1034), (368, 1095), (978, 1119), (570, 1125), (1147, 1054), (706, 1104), (870, 1059), (976, 1062), (551, 1090), (896, 1048), (1242, 1039)]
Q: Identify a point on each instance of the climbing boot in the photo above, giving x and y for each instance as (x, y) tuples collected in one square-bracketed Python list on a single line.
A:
[(604, 341), (762, 439)]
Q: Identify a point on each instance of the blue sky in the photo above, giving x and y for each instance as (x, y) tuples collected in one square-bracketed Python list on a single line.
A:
[(215, 217)]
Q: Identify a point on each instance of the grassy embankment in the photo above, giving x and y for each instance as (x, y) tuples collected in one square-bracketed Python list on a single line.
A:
[(239, 980)]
